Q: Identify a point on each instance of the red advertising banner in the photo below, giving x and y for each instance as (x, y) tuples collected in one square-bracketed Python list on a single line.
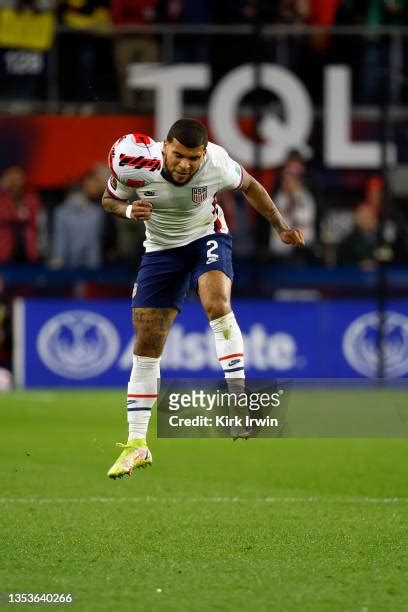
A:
[(56, 150)]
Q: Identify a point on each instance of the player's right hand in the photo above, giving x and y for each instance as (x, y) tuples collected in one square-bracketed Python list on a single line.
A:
[(141, 210)]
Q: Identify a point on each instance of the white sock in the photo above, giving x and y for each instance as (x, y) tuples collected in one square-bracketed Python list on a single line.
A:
[(142, 394), (229, 345)]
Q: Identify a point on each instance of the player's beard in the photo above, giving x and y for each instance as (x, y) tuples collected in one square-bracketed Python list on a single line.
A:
[(188, 178), (169, 176)]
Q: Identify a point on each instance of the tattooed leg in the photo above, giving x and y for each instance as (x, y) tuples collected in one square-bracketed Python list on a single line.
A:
[(152, 326)]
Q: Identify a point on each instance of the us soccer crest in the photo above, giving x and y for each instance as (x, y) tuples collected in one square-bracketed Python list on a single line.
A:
[(199, 194)]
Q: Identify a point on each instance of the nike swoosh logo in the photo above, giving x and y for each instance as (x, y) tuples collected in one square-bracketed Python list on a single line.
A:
[(233, 362)]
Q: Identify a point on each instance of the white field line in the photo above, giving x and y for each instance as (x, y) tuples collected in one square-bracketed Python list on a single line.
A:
[(204, 500)]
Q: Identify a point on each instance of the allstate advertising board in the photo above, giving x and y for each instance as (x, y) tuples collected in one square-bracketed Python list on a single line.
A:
[(69, 343)]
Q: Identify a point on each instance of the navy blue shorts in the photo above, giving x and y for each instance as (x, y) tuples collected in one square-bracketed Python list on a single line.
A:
[(164, 277)]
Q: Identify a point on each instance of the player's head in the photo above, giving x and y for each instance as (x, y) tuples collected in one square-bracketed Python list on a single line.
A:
[(184, 149)]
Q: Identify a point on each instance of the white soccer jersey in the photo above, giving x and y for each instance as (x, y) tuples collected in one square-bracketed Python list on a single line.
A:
[(180, 214)]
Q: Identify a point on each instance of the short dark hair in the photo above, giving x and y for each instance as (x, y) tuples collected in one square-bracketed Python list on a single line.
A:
[(189, 132)]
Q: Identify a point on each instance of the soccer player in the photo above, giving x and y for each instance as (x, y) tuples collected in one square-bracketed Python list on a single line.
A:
[(187, 240)]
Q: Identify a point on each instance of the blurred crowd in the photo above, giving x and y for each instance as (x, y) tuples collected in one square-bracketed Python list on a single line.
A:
[(67, 230), (41, 40), (70, 230)]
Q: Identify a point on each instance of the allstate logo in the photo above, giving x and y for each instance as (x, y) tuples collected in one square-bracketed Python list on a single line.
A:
[(78, 344), (361, 344)]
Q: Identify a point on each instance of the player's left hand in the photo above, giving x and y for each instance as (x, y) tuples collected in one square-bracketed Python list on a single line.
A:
[(294, 237)]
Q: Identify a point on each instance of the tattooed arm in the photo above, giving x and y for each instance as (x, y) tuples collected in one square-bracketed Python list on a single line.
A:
[(259, 199)]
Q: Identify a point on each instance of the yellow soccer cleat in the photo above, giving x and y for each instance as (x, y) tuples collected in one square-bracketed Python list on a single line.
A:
[(135, 454)]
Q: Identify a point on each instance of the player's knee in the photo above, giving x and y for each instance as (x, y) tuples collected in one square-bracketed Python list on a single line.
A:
[(217, 306)]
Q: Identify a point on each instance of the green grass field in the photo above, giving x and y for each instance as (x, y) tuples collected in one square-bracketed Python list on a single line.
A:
[(285, 524)]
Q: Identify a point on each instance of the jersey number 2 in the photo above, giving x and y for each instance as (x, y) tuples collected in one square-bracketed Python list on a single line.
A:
[(211, 256)]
